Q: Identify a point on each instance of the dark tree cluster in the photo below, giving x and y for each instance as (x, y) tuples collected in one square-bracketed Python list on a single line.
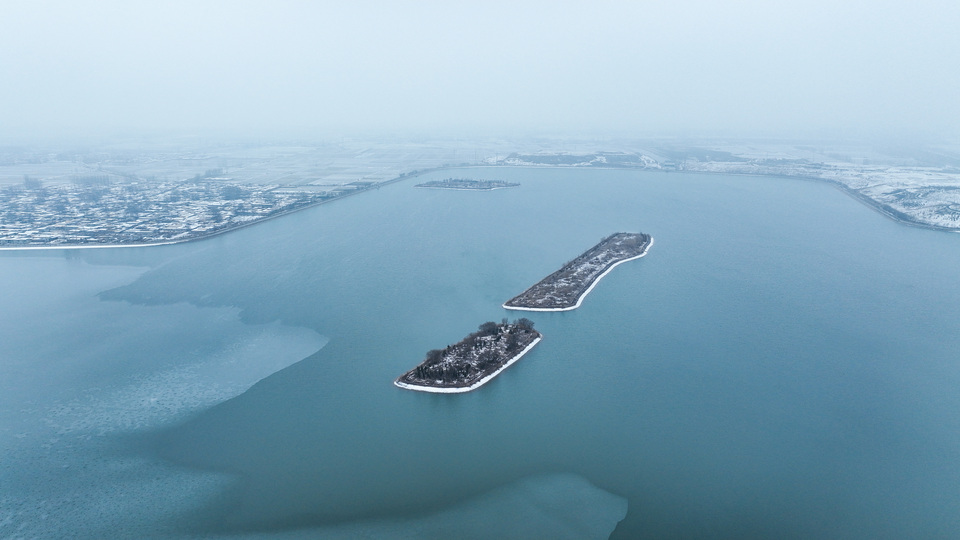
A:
[(448, 373), (479, 353)]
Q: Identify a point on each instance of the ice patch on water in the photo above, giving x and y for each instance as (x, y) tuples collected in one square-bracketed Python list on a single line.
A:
[(107, 497), (152, 399), (557, 506), (65, 467)]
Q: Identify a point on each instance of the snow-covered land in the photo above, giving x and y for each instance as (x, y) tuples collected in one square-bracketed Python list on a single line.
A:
[(928, 196), (918, 186)]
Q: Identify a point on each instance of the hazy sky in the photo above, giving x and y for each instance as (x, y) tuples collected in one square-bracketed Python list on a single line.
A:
[(642, 68)]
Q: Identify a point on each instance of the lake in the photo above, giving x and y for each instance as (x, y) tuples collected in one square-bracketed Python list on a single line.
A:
[(782, 364)]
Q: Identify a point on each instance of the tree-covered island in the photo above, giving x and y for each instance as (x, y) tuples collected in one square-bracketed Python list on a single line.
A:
[(566, 288), (474, 360), (466, 183)]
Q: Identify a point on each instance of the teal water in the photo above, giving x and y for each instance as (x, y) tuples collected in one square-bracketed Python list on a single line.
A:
[(783, 364)]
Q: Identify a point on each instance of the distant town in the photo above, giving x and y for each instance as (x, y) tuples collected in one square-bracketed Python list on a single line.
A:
[(95, 211)]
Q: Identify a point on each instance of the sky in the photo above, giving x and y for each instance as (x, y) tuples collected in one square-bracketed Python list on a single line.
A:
[(643, 68)]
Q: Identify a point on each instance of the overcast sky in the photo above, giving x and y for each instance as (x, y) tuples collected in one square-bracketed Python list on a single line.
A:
[(678, 67)]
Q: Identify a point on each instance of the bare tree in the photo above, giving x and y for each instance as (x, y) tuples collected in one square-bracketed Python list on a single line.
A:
[(488, 328), (524, 323)]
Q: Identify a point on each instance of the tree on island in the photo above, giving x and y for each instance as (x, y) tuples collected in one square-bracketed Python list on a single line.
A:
[(433, 357), (489, 328), (511, 342)]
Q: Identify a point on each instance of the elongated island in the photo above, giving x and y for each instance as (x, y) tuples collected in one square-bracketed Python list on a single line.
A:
[(467, 184), (566, 288), (474, 360)]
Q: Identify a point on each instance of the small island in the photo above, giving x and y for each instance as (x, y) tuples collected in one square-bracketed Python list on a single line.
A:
[(566, 288), (474, 360), (467, 184)]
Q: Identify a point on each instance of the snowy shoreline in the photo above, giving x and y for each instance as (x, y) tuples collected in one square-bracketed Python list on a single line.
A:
[(474, 386), (208, 235), (93, 246), (586, 292)]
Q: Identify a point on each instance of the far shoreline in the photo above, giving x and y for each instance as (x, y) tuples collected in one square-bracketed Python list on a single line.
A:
[(877, 206)]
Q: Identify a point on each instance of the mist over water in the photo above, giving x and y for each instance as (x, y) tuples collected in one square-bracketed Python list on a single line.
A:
[(782, 364), (680, 68)]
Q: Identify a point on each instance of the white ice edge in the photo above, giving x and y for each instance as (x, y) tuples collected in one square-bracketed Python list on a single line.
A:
[(473, 386), (590, 288)]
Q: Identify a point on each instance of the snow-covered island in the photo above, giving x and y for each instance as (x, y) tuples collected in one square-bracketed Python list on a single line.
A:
[(566, 288), (467, 184), (474, 360)]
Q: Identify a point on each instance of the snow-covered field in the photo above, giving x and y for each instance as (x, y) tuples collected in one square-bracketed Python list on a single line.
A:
[(920, 186), (927, 196)]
